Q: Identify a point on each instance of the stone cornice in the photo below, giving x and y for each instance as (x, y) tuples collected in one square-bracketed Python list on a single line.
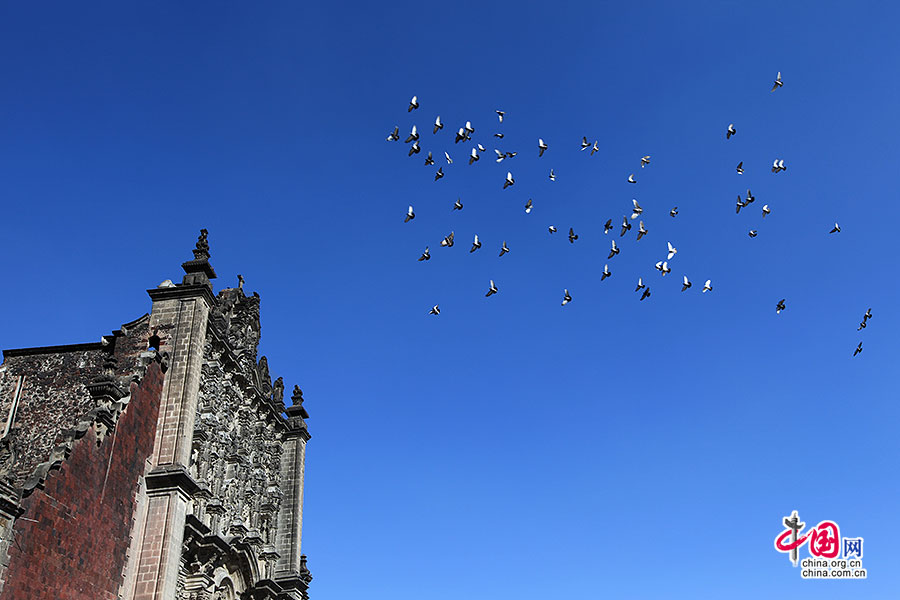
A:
[(183, 291), (171, 479)]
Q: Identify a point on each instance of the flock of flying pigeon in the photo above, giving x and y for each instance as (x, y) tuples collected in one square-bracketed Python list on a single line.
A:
[(464, 134)]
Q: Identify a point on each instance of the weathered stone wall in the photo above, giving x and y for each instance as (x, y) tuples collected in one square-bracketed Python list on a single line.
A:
[(72, 539)]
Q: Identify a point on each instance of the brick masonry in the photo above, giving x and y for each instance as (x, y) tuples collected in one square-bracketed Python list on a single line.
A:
[(71, 541)]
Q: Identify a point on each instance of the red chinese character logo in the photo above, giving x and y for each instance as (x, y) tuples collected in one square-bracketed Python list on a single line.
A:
[(825, 540)]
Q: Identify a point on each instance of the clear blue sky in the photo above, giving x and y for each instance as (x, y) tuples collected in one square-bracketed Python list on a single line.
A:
[(509, 448)]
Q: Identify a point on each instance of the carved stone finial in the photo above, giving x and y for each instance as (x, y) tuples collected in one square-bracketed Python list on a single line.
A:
[(202, 249), (198, 270), (297, 396), (240, 282)]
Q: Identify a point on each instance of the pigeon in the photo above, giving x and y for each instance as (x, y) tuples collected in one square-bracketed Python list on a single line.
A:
[(631, 179), (614, 250), (606, 272), (394, 135), (778, 165), (663, 267), (637, 210), (429, 161), (567, 298), (481, 148), (646, 294), (625, 226), (731, 131), (707, 287), (858, 349), (414, 149), (740, 204), (509, 180), (778, 82), (752, 233), (594, 148), (448, 241), (413, 104), (607, 226), (457, 205), (861, 325), (673, 212), (572, 236), (779, 307), (461, 135), (552, 175), (645, 160), (541, 147), (766, 210), (837, 228), (585, 144), (640, 284), (475, 244), (447, 156), (551, 229), (493, 289), (500, 155), (868, 314), (498, 135), (686, 283), (740, 168), (410, 215), (641, 231), (413, 135), (425, 255), (504, 249), (750, 198), (439, 174), (469, 129), (437, 124), (511, 154), (500, 114), (473, 156), (434, 310), (528, 206), (672, 250)]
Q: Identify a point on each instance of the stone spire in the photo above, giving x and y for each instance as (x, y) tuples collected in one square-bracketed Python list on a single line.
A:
[(199, 271)]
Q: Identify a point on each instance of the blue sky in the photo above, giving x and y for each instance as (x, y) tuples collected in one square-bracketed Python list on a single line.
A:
[(510, 447)]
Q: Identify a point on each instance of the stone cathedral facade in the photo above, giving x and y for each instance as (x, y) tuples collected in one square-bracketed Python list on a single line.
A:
[(160, 463)]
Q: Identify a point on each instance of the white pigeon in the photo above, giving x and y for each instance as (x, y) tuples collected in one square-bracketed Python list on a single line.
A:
[(836, 229), (469, 128), (394, 135), (613, 250), (434, 310), (645, 160), (541, 147), (509, 180), (625, 226), (461, 135), (687, 283), (731, 131), (606, 272), (493, 289), (413, 104), (475, 244), (707, 287), (672, 251), (473, 156), (447, 156), (457, 205), (551, 229), (448, 241), (566, 298), (500, 114), (585, 144), (410, 215), (439, 174), (641, 231), (637, 210), (766, 210), (740, 168), (437, 124), (594, 148), (503, 249), (481, 148), (500, 155), (528, 206), (663, 267), (631, 179), (413, 135), (552, 175), (640, 284), (778, 82)]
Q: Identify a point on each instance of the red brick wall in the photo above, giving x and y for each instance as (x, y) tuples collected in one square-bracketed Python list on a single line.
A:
[(72, 539)]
